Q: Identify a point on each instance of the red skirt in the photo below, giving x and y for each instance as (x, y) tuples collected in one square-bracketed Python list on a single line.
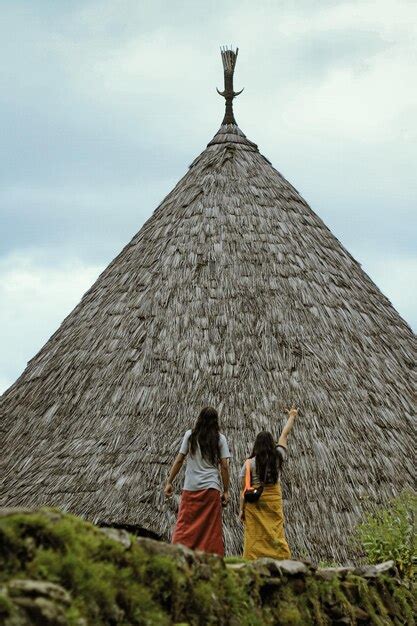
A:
[(199, 522)]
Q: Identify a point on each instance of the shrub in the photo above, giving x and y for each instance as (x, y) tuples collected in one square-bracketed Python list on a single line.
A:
[(390, 533)]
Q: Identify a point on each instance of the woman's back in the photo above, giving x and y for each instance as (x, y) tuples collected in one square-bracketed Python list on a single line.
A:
[(267, 477), (200, 473)]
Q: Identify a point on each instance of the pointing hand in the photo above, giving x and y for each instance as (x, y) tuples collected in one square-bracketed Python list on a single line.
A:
[(293, 411)]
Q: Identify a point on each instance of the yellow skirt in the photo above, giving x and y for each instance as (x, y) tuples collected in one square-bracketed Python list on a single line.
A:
[(264, 526)]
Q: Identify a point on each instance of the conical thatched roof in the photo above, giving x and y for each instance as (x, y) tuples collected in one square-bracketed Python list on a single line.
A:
[(233, 293)]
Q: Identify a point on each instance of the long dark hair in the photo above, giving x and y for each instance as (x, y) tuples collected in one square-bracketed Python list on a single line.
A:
[(206, 434), (267, 459)]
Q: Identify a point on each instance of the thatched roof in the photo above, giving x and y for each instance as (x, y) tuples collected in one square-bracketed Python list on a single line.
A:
[(233, 293)]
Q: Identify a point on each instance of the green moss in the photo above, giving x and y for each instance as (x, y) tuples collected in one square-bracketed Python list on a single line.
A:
[(343, 600), (6, 606), (73, 615), (313, 598), (235, 559), (288, 606), (150, 586), (289, 615), (239, 596), (377, 602), (102, 578), (204, 598), (367, 596), (407, 603)]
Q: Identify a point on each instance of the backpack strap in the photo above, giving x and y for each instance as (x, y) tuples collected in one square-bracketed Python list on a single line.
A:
[(247, 475)]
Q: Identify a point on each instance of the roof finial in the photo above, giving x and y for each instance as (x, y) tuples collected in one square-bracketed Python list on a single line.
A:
[(229, 61)]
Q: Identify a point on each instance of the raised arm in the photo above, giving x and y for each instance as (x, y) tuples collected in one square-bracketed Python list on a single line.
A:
[(176, 466), (292, 414)]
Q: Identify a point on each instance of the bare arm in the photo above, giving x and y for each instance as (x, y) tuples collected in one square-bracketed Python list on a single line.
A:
[(292, 414), (242, 500), (224, 471), (176, 466)]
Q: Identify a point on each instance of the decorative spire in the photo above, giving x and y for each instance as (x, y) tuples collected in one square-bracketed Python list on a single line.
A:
[(229, 57)]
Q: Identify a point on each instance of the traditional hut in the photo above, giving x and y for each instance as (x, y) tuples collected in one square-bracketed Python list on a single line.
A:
[(233, 293)]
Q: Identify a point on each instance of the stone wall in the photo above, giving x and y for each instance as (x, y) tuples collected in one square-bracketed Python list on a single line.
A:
[(57, 570)]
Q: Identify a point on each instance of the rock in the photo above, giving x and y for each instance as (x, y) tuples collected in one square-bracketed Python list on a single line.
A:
[(269, 582), (119, 535), (372, 571), (311, 566), (327, 573), (39, 602), (179, 553), (365, 571), (285, 567), (7, 511), (43, 611), (35, 588), (51, 514), (169, 549), (236, 566), (386, 567), (299, 584), (336, 611), (361, 615), (205, 572)]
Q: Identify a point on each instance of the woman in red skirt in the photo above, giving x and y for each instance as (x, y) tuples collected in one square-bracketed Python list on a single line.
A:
[(199, 523)]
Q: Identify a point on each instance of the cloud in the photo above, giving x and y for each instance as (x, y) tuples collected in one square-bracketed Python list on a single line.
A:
[(396, 278), (104, 104), (34, 301), (91, 222)]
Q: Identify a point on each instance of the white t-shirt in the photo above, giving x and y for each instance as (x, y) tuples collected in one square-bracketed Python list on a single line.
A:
[(199, 473)]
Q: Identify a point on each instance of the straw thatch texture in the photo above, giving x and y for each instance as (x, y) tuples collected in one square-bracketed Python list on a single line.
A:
[(234, 293)]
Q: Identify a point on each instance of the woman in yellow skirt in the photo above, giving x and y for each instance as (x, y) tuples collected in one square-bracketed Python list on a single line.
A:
[(264, 519)]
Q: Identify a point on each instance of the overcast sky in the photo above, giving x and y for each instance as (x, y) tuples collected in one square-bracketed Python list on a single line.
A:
[(103, 106)]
